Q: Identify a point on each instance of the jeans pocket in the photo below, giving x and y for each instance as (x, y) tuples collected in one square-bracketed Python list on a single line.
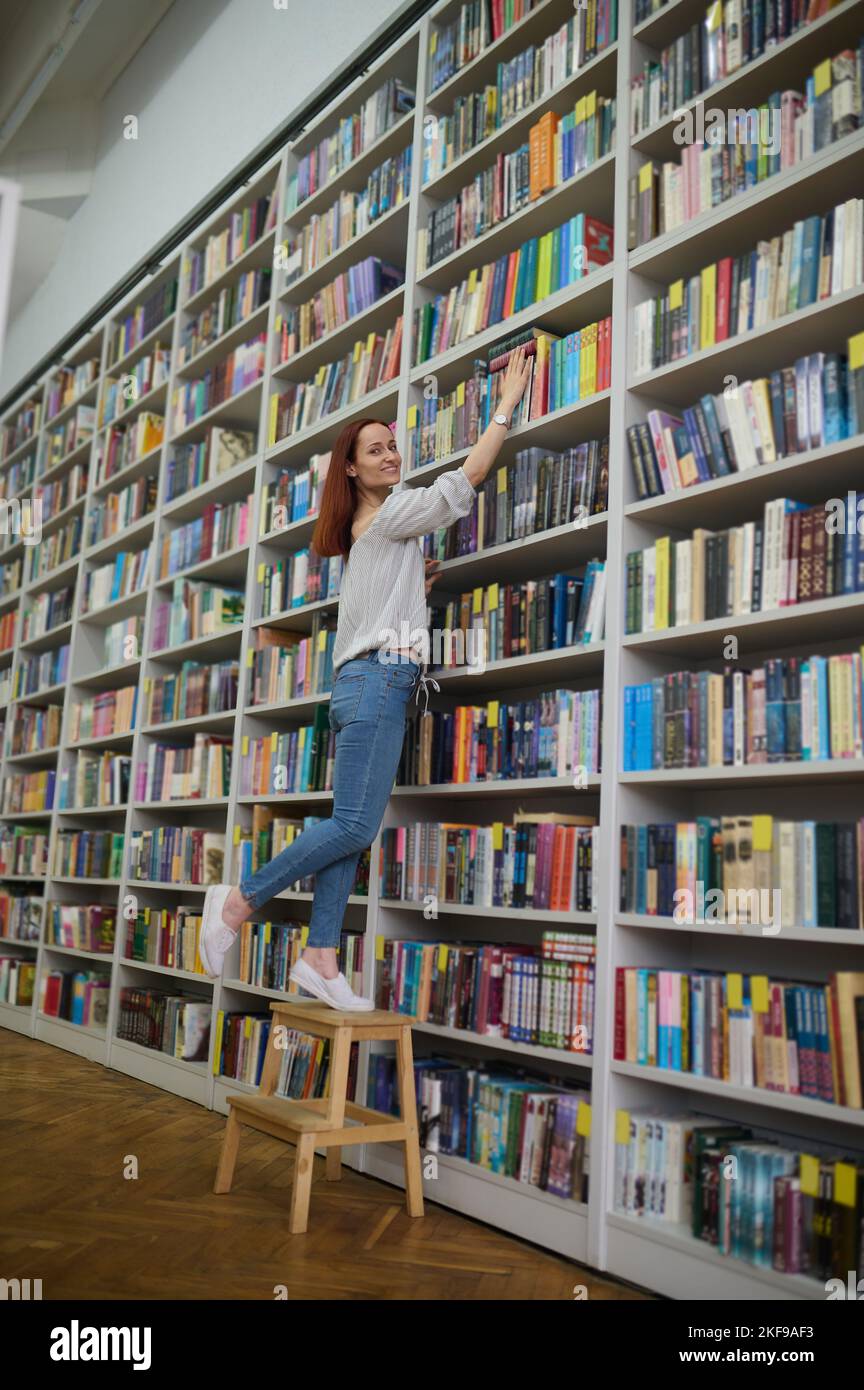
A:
[(404, 675), (345, 701)]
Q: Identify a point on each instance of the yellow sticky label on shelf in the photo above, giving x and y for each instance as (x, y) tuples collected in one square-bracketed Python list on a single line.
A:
[(591, 104), (645, 176), (493, 595), (822, 77), (809, 1166), (735, 991), (856, 352), (763, 832), (714, 16), (261, 569), (460, 393), (433, 41), (304, 936), (498, 834), (759, 993), (442, 957), (322, 640), (492, 715), (583, 1119), (236, 834), (379, 948), (845, 1184), (472, 281), (250, 657), (245, 744), (413, 416), (622, 1126), (580, 110), (676, 294), (501, 479), (358, 348), (478, 601)]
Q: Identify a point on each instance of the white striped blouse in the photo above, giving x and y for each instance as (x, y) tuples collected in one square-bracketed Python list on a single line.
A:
[(382, 603)]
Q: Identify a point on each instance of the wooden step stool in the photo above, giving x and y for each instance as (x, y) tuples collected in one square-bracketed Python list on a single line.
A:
[(310, 1124)]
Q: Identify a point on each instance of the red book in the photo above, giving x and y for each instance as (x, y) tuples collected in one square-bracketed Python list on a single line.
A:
[(510, 286), (724, 295), (620, 1043)]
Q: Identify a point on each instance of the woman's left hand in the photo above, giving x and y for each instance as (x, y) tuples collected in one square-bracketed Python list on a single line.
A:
[(431, 576)]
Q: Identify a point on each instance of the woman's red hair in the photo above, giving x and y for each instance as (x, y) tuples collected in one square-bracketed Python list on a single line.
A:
[(332, 534)]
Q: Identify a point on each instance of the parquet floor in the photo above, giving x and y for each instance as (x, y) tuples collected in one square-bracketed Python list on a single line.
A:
[(71, 1128)]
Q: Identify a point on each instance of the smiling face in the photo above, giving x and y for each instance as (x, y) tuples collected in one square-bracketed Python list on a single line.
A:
[(377, 461)]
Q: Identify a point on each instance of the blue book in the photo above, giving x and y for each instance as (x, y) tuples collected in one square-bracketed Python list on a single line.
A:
[(808, 284), (641, 867), (795, 267)]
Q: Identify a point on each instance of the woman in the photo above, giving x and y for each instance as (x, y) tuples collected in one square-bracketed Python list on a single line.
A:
[(382, 603)]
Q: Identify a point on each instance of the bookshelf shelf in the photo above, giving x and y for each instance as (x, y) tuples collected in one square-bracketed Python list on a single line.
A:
[(671, 1261), (708, 1087)]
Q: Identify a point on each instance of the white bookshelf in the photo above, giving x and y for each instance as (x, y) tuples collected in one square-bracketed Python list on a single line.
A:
[(668, 1260)]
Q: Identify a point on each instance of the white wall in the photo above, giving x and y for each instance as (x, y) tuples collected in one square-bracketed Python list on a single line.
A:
[(212, 81)]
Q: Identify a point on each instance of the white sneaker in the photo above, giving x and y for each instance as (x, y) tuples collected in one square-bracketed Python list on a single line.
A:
[(216, 938), (337, 993)]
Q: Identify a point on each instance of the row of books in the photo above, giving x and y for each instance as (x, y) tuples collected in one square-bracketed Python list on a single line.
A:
[(177, 854), (740, 868), (479, 23), (298, 326), (545, 998), (24, 851), (138, 323), (104, 714), (121, 394), (52, 497), (243, 366), (747, 1030), (126, 443), (818, 400), (198, 608), (89, 854), (817, 258), (17, 980), (241, 1043), (128, 573), (792, 709), (515, 280), (202, 265), (78, 996), (733, 151), (23, 426), (233, 305), (81, 926), (557, 148), (786, 1209), (191, 465), (299, 579), (370, 363), (165, 936), (61, 440), (20, 916), (221, 527), (176, 1024), (112, 513), (29, 791), (93, 778), (270, 950), (292, 665), (46, 611), (194, 690), (62, 545), (563, 371), (540, 860), (296, 760), (709, 50), (36, 728), (331, 155), (796, 554), (199, 771), (556, 734), (67, 384), (561, 146), (10, 577), (293, 495), (38, 671), (506, 1120)]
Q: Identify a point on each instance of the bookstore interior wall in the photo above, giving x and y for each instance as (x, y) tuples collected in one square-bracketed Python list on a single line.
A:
[(619, 881)]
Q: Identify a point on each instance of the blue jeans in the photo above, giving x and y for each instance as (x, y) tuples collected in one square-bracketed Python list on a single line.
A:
[(368, 705)]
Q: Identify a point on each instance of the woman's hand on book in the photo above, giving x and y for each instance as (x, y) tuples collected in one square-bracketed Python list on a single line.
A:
[(517, 374)]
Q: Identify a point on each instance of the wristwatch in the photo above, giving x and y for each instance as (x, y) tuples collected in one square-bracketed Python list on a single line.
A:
[(501, 420)]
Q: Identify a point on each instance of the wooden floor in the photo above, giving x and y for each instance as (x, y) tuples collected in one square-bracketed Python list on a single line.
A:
[(70, 1218)]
